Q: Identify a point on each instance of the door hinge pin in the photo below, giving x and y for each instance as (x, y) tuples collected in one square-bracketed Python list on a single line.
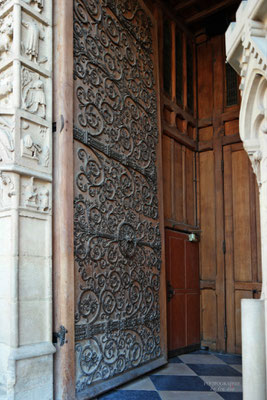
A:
[(225, 332), (61, 335)]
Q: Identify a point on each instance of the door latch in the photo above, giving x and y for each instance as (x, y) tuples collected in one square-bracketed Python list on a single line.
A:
[(61, 335), (170, 291)]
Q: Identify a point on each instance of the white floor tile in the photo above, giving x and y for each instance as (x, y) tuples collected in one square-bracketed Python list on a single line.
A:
[(168, 395), (175, 369), (224, 383), (201, 359)]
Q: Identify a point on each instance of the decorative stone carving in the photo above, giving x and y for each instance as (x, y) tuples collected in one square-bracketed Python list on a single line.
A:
[(255, 158), (3, 2), (6, 139), (34, 143), (7, 189), (6, 35), (33, 93), (36, 196), (39, 4), (35, 33), (6, 88)]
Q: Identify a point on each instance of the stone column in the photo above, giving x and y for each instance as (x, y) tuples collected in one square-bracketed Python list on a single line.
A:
[(26, 349)]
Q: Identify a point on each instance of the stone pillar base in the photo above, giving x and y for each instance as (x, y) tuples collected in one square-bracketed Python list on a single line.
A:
[(253, 349)]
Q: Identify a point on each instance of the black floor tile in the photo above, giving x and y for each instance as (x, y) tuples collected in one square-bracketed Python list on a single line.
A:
[(231, 396), (214, 370), (230, 358), (182, 383), (175, 360), (131, 395)]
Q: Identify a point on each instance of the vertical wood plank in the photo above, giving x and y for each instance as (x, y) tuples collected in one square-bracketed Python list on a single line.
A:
[(167, 175), (229, 257), (177, 187), (207, 217), (241, 219)]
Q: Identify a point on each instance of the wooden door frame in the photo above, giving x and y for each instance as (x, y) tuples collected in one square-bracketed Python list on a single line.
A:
[(63, 241)]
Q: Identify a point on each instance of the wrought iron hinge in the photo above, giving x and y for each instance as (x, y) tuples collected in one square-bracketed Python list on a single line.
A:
[(225, 332), (61, 335), (222, 166), (170, 291), (224, 247)]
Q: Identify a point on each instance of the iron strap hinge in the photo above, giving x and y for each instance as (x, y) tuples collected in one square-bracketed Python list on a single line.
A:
[(61, 335), (224, 247)]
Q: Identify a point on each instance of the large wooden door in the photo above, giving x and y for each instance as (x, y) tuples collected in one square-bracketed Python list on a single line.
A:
[(242, 241), (119, 294), (183, 292)]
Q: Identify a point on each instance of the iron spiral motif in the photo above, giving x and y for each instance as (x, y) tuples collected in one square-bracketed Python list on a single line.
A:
[(116, 231)]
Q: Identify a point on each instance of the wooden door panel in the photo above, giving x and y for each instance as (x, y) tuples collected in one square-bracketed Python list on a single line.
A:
[(167, 165), (193, 318), (242, 236), (241, 216), (182, 264), (119, 319), (209, 318), (192, 265), (177, 322), (207, 216), (177, 276)]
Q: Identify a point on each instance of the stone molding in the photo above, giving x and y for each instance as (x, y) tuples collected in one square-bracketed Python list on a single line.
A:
[(26, 199)]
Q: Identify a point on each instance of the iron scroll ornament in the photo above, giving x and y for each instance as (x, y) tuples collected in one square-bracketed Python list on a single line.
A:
[(116, 231)]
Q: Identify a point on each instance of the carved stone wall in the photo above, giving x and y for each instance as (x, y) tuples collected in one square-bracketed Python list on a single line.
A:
[(26, 199)]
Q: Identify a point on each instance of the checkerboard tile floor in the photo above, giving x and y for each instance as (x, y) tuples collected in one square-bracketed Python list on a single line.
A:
[(200, 375)]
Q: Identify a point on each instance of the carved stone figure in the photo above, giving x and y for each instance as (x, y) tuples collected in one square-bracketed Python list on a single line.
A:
[(6, 35), (32, 43), (6, 88), (31, 149), (6, 139), (6, 188), (33, 93), (44, 199), (31, 194), (36, 197), (39, 4)]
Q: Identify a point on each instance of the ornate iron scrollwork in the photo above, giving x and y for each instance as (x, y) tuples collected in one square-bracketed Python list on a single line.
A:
[(116, 230)]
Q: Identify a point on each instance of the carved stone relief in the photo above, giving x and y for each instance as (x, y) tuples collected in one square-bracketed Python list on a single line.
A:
[(35, 195), (6, 138), (33, 40), (6, 36), (33, 92), (6, 88), (35, 142), (38, 4), (3, 3), (7, 189)]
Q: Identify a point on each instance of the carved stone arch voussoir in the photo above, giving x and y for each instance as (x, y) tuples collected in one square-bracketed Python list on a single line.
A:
[(253, 116)]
